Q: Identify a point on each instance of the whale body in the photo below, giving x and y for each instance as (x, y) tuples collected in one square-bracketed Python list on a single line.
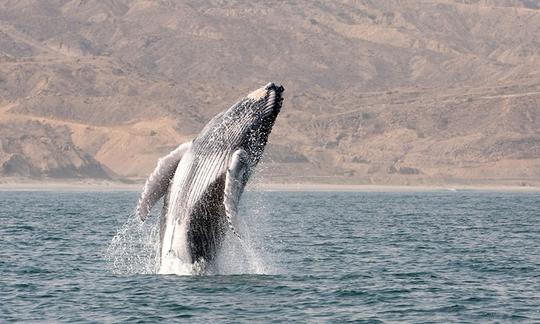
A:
[(201, 181)]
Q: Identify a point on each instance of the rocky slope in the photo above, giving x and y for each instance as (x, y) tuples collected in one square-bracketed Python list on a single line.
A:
[(428, 91)]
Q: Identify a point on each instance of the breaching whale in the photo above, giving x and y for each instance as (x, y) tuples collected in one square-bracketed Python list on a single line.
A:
[(201, 181)]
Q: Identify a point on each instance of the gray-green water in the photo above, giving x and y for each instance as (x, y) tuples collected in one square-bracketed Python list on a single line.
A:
[(323, 257)]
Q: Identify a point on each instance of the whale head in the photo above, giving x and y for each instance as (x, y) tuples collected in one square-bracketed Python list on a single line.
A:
[(249, 121), (246, 125)]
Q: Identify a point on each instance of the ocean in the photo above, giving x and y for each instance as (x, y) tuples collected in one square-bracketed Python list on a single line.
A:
[(374, 257)]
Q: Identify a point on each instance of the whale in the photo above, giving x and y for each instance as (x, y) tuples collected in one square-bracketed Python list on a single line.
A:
[(201, 182)]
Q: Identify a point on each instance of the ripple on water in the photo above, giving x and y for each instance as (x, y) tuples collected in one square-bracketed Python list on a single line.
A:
[(321, 257)]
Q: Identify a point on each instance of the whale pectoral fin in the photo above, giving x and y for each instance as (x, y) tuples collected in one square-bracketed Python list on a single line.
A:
[(157, 184), (235, 181)]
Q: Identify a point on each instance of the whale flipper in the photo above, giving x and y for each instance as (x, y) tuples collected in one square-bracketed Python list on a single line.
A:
[(237, 175), (158, 183)]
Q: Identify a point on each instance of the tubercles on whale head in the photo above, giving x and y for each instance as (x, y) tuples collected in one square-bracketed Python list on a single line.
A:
[(258, 104), (267, 99), (264, 91), (257, 94), (253, 118), (267, 107)]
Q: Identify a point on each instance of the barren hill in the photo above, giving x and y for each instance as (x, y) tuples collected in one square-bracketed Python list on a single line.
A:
[(385, 92)]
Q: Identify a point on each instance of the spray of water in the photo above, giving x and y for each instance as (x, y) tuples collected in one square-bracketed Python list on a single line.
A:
[(134, 248)]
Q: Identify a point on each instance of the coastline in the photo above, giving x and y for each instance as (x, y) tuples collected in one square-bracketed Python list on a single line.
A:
[(75, 185), (389, 188), (105, 185)]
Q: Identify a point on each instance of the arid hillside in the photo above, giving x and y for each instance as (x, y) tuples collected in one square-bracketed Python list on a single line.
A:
[(377, 92)]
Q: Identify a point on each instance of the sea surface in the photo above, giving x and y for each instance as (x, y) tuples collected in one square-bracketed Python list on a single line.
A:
[(463, 256)]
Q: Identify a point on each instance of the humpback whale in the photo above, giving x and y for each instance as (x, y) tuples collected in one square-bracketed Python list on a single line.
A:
[(201, 181)]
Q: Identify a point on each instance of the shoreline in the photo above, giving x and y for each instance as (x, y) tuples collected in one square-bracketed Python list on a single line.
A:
[(81, 186), (105, 186), (389, 188)]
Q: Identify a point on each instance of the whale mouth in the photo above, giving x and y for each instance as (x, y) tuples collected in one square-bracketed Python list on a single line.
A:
[(274, 99)]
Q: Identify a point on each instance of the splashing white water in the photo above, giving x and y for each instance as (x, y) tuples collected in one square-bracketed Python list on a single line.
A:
[(134, 249), (248, 254)]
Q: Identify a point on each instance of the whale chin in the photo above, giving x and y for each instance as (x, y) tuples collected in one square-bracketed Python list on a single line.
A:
[(274, 100)]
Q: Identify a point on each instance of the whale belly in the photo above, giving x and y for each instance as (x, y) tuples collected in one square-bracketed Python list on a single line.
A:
[(207, 224), (174, 255), (194, 223)]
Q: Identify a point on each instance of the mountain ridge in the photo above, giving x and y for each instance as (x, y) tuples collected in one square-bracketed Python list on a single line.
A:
[(424, 92)]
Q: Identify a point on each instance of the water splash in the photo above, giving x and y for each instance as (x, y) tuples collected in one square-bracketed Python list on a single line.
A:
[(249, 254), (134, 248)]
